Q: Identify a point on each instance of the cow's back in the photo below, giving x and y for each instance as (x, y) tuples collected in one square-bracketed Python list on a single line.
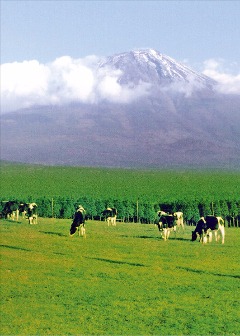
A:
[(212, 222), (167, 221)]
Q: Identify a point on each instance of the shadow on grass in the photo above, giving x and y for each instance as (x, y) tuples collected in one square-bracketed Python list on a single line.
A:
[(16, 248), (207, 272), (117, 262), (141, 237), (12, 221), (146, 237), (54, 233), (182, 239), (160, 238)]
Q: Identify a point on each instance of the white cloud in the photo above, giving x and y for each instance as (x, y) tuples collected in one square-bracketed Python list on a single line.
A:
[(62, 81), (66, 80), (186, 87), (228, 81), (23, 84)]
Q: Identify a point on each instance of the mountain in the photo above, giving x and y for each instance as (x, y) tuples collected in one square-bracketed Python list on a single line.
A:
[(168, 116), (157, 69)]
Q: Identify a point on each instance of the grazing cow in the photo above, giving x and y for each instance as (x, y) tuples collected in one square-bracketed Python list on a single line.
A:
[(110, 215), (166, 224), (178, 216), (205, 227), (10, 210), (78, 223)]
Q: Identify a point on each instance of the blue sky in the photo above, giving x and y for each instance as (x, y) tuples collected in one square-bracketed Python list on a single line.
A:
[(36, 35), (193, 30)]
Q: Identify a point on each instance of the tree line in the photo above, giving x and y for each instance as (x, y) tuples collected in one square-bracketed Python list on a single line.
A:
[(139, 211)]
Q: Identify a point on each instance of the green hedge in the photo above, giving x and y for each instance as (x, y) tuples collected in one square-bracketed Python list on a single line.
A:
[(143, 211)]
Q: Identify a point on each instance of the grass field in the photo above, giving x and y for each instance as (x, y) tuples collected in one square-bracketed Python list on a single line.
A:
[(22, 180), (122, 280)]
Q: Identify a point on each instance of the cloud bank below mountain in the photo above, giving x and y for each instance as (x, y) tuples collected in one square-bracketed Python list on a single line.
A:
[(63, 81), (68, 80)]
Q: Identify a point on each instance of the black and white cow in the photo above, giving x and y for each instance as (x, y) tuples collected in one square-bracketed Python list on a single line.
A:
[(205, 227), (110, 215), (10, 210), (78, 223), (166, 224), (29, 211), (23, 207), (32, 213)]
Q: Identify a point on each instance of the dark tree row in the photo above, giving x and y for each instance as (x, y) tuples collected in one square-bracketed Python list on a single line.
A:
[(142, 211)]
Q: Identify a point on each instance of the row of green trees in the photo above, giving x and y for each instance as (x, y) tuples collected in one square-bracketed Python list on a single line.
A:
[(143, 211)]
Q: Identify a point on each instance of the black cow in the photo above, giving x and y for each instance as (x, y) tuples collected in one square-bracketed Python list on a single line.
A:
[(110, 215), (205, 226), (10, 210), (78, 223), (166, 224)]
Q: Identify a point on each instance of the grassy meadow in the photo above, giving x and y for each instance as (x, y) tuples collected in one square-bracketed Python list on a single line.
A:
[(22, 180), (122, 280)]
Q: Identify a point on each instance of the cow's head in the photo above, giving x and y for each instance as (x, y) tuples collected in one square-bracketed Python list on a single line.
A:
[(194, 235)]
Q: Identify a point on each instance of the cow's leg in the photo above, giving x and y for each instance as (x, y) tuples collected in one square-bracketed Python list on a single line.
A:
[(30, 220), (203, 237), (216, 235), (83, 231), (159, 226), (175, 231), (210, 237), (108, 221), (164, 234), (168, 233), (114, 220), (35, 219), (222, 230)]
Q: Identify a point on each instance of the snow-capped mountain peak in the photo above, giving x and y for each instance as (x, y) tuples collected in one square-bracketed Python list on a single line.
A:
[(148, 65)]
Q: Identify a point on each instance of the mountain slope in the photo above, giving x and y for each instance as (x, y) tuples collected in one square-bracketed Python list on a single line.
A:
[(181, 122)]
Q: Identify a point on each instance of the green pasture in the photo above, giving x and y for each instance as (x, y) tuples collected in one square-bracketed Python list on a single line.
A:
[(122, 280), (34, 181)]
